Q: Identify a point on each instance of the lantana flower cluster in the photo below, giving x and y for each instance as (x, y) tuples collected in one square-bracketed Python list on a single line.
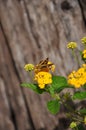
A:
[(45, 81), (43, 78), (83, 40), (72, 45), (84, 54), (78, 78), (42, 73)]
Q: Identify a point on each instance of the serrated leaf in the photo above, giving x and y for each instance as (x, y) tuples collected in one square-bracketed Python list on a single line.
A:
[(79, 95), (59, 83), (53, 106), (34, 87)]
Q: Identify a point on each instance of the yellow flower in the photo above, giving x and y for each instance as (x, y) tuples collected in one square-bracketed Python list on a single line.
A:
[(84, 65), (73, 124), (29, 67), (78, 78), (84, 54), (43, 78), (85, 120), (72, 45), (83, 40)]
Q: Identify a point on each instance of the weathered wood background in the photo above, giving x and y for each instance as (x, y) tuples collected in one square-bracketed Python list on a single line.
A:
[(31, 30)]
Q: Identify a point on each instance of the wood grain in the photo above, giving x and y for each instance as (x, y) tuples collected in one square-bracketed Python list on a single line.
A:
[(31, 30)]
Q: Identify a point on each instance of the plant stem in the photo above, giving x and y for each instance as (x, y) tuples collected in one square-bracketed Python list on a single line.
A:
[(76, 128), (75, 56), (31, 76)]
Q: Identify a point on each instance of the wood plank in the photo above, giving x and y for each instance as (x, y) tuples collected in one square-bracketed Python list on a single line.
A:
[(15, 97), (31, 31)]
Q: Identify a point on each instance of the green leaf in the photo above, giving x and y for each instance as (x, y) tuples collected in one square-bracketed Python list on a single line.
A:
[(51, 90), (59, 83), (80, 127), (34, 87), (84, 85), (82, 111), (79, 95), (53, 106)]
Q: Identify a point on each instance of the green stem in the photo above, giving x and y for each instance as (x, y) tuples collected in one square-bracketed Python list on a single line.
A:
[(76, 128), (75, 56), (31, 76), (72, 113), (69, 108)]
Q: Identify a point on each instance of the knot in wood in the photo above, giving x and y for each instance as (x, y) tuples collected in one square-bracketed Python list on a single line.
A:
[(65, 5)]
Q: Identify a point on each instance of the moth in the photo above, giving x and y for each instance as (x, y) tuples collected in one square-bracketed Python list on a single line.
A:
[(43, 65)]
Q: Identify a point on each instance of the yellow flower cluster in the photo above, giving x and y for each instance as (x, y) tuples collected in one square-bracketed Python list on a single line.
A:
[(85, 120), (83, 40), (73, 124), (84, 54), (29, 67), (78, 78), (72, 45), (41, 72), (43, 78), (42, 75)]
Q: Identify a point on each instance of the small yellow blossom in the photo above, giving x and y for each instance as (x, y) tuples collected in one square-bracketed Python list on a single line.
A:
[(84, 65), (83, 40), (72, 45), (84, 54), (73, 124), (43, 78), (41, 72), (29, 67), (85, 120), (78, 78)]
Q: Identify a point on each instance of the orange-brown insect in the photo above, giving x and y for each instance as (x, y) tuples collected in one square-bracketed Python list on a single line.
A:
[(43, 65)]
